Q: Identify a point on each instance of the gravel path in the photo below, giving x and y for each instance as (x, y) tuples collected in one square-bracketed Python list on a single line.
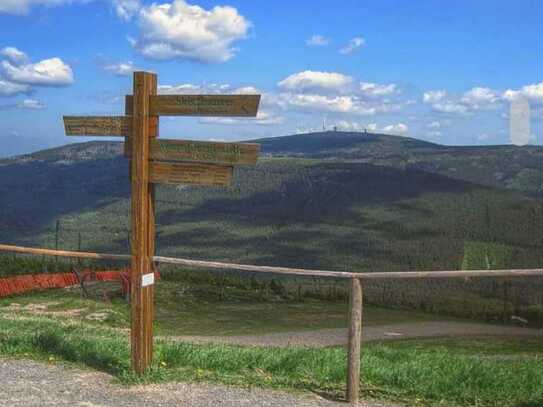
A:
[(33, 384), (338, 337)]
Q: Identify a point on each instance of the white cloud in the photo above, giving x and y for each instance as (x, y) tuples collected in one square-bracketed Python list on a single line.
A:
[(435, 125), (434, 96), (31, 104), (348, 104), (317, 41), (121, 68), (23, 6), (483, 137), (336, 104), (377, 90), (192, 89), (49, 72), (533, 92), (14, 55), (263, 118), (247, 90), (9, 88), (315, 80), (126, 9), (480, 98), (183, 31), (450, 107), (353, 45), (439, 102), (399, 129)]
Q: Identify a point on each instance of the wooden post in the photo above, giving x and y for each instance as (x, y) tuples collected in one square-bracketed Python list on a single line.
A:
[(142, 284), (355, 340)]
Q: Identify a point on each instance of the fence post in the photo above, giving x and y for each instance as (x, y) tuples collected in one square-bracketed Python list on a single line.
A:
[(355, 340)]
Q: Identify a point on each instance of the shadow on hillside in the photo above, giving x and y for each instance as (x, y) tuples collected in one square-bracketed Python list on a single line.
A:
[(33, 195), (314, 220)]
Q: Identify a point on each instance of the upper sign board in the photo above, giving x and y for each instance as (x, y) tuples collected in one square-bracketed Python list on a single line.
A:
[(201, 105)]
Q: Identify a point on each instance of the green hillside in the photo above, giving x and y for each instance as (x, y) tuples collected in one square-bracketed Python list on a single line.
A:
[(336, 214)]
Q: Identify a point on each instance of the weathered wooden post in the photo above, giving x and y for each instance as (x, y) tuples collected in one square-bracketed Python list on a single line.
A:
[(355, 341), (143, 225)]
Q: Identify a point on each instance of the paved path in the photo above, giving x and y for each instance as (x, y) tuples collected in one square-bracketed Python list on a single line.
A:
[(338, 337), (32, 384)]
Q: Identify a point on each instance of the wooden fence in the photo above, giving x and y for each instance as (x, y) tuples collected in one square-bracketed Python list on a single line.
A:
[(356, 292)]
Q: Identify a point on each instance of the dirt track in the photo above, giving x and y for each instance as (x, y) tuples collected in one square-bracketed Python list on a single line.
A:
[(338, 337), (33, 384)]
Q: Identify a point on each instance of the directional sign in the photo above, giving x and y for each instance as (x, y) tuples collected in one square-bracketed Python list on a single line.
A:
[(202, 151), (97, 125), (188, 173), (202, 105), (170, 162)]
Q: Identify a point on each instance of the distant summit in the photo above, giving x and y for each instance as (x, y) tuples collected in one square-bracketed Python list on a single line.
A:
[(342, 144)]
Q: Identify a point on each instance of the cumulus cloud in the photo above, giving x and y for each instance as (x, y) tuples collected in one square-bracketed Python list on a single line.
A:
[(31, 104), (477, 98), (183, 31), (315, 80), (334, 92), (126, 9), (121, 68), (377, 90), (435, 125), (533, 93), (449, 107), (399, 129), (441, 103), (317, 41), (49, 72), (14, 55), (8, 88), (263, 118), (348, 104), (353, 45), (192, 89), (434, 96), (480, 98)]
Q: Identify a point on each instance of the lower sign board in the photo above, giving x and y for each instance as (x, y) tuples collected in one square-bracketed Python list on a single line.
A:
[(191, 174), (97, 125), (201, 151)]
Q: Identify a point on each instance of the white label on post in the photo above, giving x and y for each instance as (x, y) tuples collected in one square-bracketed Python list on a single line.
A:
[(147, 279)]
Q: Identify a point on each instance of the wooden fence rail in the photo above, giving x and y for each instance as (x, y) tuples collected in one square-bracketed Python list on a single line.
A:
[(355, 309)]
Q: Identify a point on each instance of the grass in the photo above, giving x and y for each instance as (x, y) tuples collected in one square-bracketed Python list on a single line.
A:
[(483, 372), (197, 310)]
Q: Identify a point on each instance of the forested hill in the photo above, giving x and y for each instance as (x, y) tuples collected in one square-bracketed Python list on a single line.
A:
[(506, 166), (408, 205)]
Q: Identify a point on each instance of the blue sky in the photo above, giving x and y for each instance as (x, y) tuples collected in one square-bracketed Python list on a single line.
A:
[(441, 71)]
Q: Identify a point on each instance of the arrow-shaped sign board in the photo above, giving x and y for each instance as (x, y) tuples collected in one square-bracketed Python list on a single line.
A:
[(202, 105), (98, 126), (201, 151)]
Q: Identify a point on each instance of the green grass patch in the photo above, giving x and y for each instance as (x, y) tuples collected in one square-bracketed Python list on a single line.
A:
[(484, 372), (183, 309)]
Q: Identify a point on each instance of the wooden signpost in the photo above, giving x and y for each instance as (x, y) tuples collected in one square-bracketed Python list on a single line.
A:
[(156, 161)]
